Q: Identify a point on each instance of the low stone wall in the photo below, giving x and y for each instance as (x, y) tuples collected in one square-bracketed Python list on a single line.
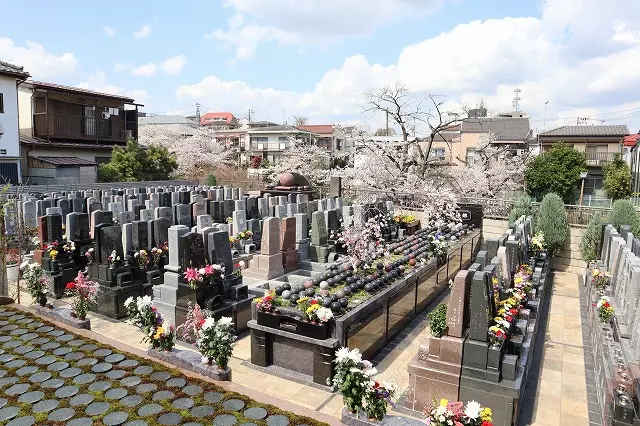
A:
[(494, 228)]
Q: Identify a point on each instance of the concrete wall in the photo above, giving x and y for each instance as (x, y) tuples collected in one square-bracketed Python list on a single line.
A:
[(9, 118), (63, 176)]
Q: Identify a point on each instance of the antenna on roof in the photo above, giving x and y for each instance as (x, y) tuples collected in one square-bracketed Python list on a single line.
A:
[(516, 99)]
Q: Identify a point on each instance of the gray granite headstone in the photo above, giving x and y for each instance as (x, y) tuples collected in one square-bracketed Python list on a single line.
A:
[(318, 229), (479, 315)]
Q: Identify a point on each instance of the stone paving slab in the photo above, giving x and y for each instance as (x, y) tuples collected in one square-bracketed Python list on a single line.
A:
[(46, 385)]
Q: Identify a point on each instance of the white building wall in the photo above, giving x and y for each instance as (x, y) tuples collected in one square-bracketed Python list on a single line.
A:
[(10, 140), (25, 111)]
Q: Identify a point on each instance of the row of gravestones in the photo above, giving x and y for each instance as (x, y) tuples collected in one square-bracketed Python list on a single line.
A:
[(616, 345), (462, 365)]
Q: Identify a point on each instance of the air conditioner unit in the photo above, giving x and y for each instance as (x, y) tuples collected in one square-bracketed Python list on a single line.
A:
[(126, 134)]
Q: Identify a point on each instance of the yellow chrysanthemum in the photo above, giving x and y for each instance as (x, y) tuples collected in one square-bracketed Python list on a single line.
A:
[(159, 333), (443, 402)]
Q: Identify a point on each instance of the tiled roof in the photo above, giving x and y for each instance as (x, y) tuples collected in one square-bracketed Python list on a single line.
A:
[(631, 140), (66, 161), (281, 128), (320, 129), (79, 91), (43, 143), (606, 130), (166, 119), (501, 128), (212, 117), (9, 69)]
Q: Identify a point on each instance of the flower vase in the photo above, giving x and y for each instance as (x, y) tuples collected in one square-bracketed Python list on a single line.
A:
[(55, 267), (73, 314), (82, 317), (42, 301)]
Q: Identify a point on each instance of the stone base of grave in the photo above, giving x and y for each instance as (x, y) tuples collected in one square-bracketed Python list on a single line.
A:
[(362, 420), (63, 315), (265, 267), (165, 296), (192, 361), (239, 311), (434, 372), (110, 300), (303, 250), (290, 260), (319, 253), (59, 281)]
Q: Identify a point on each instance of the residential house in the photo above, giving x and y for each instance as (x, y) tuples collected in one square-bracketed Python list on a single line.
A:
[(174, 123), (66, 131), (599, 143), (10, 78), (271, 142), (219, 120), (632, 145), (330, 137)]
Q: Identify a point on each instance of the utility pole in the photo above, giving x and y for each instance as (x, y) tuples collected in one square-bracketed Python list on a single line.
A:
[(249, 115), (544, 127), (198, 113), (387, 131)]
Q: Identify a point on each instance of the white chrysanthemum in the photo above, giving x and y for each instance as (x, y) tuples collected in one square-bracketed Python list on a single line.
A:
[(143, 302), (342, 353), (227, 321), (128, 302), (208, 323), (472, 410)]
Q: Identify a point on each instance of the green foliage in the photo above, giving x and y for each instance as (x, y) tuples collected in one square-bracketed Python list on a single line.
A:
[(211, 180), (617, 178), (522, 207), (438, 320), (134, 163), (558, 171), (553, 222), (590, 244), (623, 212)]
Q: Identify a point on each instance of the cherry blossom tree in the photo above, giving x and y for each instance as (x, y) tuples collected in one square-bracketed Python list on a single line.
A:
[(196, 150)]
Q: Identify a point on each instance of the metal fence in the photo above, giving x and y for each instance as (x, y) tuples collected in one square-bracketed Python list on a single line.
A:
[(13, 189)]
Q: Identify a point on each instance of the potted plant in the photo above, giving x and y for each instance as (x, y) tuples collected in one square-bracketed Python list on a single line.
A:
[(84, 293), (216, 341), (438, 327), (144, 316), (378, 397), (351, 378), (164, 336), (37, 283)]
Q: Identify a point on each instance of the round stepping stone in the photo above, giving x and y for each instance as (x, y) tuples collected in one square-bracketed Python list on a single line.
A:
[(128, 363), (31, 397), (160, 376), (53, 384), (137, 423), (34, 354), (117, 393), (61, 415), (113, 358), (170, 419), (176, 382), (74, 356), (19, 332), (89, 347), (4, 339), (213, 397), (146, 387), (103, 367), (192, 390), (22, 421), (46, 360), (99, 386), (40, 341), (12, 344), (17, 389), (131, 381), (82, 399), (45, 329), (8, 413), (277, 420), (224, 420), (40, 377), (59, 351), (35, 324), (29, 336), (255, 413), (115, 418), (3, 373), (97, 408), (27, 371), (23, 349), (162, 395), (58, 366), (25, 321), (8, 381), (67, 391), (87, 362), (101, 353), (16, 363), (16, 317), (233, 405), (183, 403), (83, 379), (131, 400), (70, 372), (252, 424), (149, 410), (4, 358), (116, 374), (65, 338), (192, 424), (56, 333), (143, 370), (76, 343), (82, 421), (44, 406), (202, 411)]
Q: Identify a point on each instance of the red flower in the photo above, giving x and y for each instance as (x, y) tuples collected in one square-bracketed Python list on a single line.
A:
[(606, 304), (486, 423), (513, 311), (71, 285), (499, 333), (314, 302), (267, 299), (508, 318), (376, 385)]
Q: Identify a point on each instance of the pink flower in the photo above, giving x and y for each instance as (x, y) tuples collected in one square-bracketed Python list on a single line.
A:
[(208, 270), (191, 274)]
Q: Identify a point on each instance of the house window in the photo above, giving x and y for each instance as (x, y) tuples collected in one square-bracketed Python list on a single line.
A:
[(282, 138), (471, 156), (1, 103)]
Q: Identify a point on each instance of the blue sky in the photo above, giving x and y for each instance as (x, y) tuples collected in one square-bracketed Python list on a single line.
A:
[(316, 58)]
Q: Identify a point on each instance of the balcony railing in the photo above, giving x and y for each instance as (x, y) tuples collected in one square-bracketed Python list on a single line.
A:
[(599, 158), (114, 129)]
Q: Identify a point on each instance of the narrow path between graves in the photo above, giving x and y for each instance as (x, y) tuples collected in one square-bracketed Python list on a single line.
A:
[(557, 392)]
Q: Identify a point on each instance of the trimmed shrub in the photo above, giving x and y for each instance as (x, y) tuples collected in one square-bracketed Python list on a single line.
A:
[(438, 320), (211, 180), (522, 207), (623, 212), (590, 244), (553, 222)]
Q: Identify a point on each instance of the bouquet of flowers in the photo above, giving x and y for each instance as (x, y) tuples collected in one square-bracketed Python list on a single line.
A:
[(455, 413), (238, 267), (215, 341), (158, 252), (244, 235), (84, 294), (600, 280), (352, 377), (188, 331), (537, 243), (164, 336), (323, 315), (141, 259), (52, 250), (37, 282), (89, 255), (114, 259), (605, 310), (497, 334), (378, 398), (403, 218), (267, 303), (143, 315), (207, 275), (69, 249), (522, 278)]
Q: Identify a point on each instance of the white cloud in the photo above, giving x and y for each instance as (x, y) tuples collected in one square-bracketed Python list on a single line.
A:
[(173, 65), (35, 59), (143, 32), (146, 70), (98, 82), (122, 66), (109, 31), (556, 57)]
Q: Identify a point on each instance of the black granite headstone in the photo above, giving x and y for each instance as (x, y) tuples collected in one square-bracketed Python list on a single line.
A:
[(223, 250), (184, 197), (65, 206), (193, 253), (54, 227), (229, 206), (252, 208), (479, 307), (182, 215), (165, 199), (332, 221), (110, 240), (214, 211), (102, 216), (160, 230), (79, 229), (140, 237)]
